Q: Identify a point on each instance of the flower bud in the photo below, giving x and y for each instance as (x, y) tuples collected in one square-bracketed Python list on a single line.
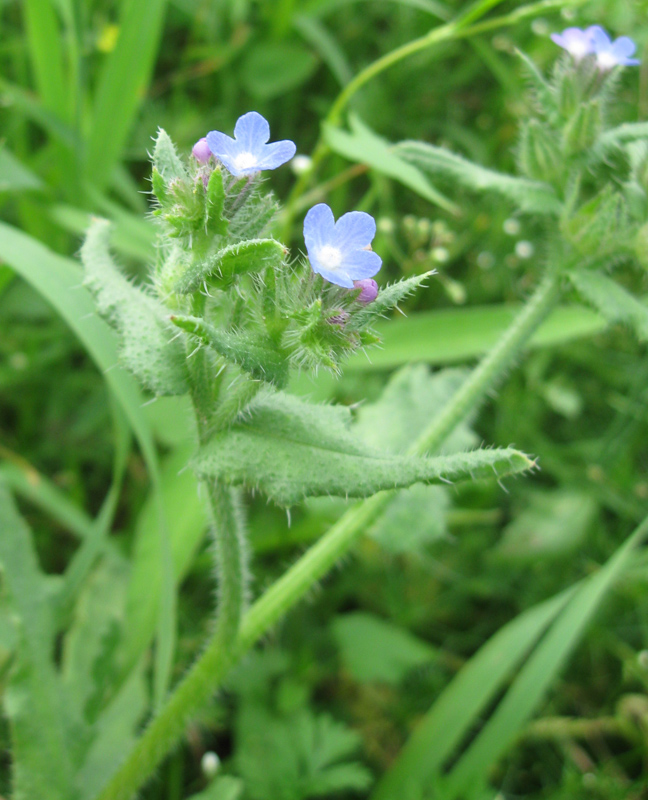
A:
[(341, 318), (201, 151), (210, 763), (583, 128), (539, 154), (368, 290)]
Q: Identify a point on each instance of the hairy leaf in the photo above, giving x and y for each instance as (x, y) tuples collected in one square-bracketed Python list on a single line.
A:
[(613, 301), (34, 702), (147, 348), (530, 196), (291, 450), (221, 269), (388, 298)]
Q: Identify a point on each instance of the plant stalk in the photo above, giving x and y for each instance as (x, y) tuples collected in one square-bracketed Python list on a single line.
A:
[(208, 671)]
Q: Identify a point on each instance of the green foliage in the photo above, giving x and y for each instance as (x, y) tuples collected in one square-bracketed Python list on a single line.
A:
[(147, 346), (291, 450), (373, 649), (613, 301), (529, 196)]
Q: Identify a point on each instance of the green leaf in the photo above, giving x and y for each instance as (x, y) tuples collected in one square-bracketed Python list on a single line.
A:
[(614, 302), (554, 524), (270, 69), (462, 702), (412, 520), (166, 160), (373, 649), (147, 348), (216, 222), (453, 335), (388, 298), (362, 145), (14, 176), (290, 450), (35, 704), (540, 670), (258, 357), (529, 196), (299, 756), (113, 735), (187, 522), (122, 85), (224, 787), (252, 256)]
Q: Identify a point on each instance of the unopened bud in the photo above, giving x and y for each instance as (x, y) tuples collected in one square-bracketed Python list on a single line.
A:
[(201, 151), (340, 318), (301, 164), (209, 764), (368, 290), (539, 154), (583, 128)]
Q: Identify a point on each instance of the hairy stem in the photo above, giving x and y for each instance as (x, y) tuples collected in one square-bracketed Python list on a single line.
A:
[(492, 367), (204, 677)]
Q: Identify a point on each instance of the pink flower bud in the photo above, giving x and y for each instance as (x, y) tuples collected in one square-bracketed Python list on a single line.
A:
[(201, 151), (369, 290)]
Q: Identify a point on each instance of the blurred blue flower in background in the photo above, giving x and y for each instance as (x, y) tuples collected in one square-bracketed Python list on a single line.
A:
[(248, 152), (612, 54), (595, 41), (340, 251)]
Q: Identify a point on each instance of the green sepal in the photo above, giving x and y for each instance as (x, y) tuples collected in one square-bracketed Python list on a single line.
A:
[(215, 221), (166, 159), (539, 153), (290, 449), (159, 186), (260, 358), (584, 128), (221, 269), (387, 298)]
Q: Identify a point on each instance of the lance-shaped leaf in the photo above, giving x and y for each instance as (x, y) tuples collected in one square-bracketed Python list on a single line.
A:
[(147, 346), (220, 269), (291, 450), (260, 358), (215, 222), (166, 159), (613, 301), (387, 298), (530, 196)]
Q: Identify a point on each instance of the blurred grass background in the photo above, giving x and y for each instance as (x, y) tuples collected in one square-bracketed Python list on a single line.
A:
[(84, 86)]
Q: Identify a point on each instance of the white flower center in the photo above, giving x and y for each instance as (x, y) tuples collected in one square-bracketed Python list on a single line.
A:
[(578, 48), (329, 257), (606, 60), (245, 160)]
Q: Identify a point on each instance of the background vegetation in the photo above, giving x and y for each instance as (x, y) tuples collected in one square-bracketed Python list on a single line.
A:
[(326, 704)]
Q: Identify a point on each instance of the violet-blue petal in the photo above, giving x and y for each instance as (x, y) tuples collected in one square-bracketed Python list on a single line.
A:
[(222, 145), (622, 49), (318, 228), (252, 132), (339, 277), (599, 38), (277, 153), (362, 264), (574, 41), (354, 231)]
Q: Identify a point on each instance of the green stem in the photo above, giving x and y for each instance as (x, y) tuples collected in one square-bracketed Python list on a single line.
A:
[(210, 668), (492, 367)]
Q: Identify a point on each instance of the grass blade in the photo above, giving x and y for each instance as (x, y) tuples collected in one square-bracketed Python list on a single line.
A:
[(540, 671), (45, 43), (122, 86)]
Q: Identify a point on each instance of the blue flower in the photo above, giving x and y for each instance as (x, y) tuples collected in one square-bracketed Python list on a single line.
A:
[(340, 251), (576, 42), (595, 41), (612, 53), (248, 152)]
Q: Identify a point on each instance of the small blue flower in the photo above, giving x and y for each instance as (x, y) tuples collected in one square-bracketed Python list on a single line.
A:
[(575, 41), (612, 53), (340, 251), (595, 41), (248, 152)]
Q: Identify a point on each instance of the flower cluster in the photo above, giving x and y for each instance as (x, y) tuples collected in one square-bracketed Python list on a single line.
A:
[(338, 251), (594, 41)]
